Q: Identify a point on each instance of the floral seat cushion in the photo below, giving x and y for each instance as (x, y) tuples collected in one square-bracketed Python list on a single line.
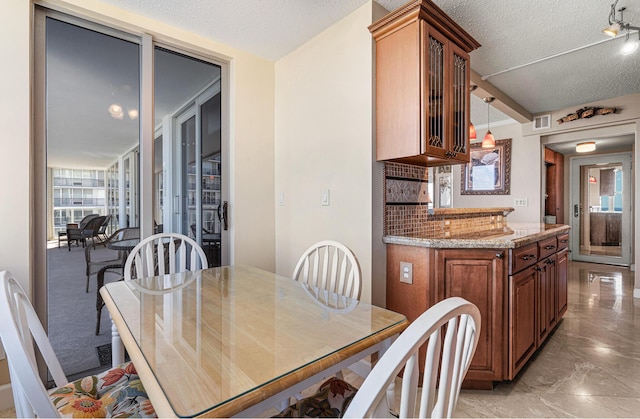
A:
[(330, 401), (117, 392)]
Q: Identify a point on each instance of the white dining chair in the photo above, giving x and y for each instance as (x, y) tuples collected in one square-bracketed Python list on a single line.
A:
[(451, 329), (331, 266), (164, 253), (116, 392)]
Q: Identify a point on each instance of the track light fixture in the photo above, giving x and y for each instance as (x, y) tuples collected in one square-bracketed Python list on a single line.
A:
[(616, 24)]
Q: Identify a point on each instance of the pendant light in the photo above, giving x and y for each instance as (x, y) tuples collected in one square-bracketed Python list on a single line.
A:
[(489, 141), (472, 132), (472, 129)]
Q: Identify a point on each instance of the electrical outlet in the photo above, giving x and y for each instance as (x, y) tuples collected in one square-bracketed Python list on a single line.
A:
[(522, 202), (406, 272)]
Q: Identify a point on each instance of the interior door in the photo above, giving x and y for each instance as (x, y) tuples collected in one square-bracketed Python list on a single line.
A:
[(601, 214)]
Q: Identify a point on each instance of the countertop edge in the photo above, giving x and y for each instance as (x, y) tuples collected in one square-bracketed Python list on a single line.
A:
[(520, 238)]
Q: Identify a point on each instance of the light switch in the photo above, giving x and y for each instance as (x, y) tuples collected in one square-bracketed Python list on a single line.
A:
[(325, 197)]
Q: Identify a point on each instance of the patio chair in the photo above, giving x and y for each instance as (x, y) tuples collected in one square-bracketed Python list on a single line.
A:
[(77, 227), (101, 260), (81, 233), (102, 231), (116, 392), (99, 255)]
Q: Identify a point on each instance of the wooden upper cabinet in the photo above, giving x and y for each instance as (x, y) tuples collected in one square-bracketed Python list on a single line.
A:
[(422, 86)]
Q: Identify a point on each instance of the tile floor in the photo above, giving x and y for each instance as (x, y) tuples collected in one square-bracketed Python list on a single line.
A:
[(589, 366)]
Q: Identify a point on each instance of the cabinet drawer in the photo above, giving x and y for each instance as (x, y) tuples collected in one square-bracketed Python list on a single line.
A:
[(563, 241), (547, 247), (524, 257)]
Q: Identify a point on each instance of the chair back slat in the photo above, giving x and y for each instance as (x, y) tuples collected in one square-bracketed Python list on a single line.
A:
[(447, 360), (164, 253), (331, 266)]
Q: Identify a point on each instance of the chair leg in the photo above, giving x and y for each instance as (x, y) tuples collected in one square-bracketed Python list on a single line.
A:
[(99, 308), (87, 290)]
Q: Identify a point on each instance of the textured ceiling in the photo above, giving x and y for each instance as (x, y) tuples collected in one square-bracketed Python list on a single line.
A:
[(517, 37), (512, 33)]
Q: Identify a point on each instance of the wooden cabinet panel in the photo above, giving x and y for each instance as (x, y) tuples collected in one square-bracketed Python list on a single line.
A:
[(542, 285), (546, 297), (563, 241), (522, 319), (422, 86), (409, 299), (454, 269), (523, 257), (547, 247), (562, 262)]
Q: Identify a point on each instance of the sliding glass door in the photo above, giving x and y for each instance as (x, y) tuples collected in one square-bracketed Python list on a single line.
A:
[(93, 108), (190, 139)]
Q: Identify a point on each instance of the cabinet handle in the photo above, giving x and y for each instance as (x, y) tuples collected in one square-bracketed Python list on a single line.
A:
[(538, 269), (500, 255), (564, 241), (528, 257), (549, 247)]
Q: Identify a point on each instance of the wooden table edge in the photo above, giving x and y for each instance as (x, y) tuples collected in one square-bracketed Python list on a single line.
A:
[(152, 387), (255, 396)]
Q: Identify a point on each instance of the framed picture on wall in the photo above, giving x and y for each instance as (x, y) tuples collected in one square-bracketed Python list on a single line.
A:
[(489, 172)]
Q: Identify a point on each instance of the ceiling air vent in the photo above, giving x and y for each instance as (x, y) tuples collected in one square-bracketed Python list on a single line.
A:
[(542, 122)]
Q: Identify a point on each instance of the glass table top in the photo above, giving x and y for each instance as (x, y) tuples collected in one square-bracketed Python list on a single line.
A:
[(214, 336)]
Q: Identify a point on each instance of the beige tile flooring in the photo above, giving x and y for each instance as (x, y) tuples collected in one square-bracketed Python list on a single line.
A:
[(589, 367)]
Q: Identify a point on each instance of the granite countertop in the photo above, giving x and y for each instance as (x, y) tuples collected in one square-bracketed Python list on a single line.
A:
[(511, 236)]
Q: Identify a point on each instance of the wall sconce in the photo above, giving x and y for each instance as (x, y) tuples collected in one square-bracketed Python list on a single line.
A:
[(592, 179)]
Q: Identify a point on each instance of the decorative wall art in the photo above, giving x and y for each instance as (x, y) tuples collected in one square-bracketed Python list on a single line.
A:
[(489, 172)]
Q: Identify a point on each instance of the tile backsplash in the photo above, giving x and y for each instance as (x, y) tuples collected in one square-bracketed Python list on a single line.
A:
[(409, 212)]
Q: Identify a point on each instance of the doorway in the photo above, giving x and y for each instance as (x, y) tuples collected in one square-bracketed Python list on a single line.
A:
[(93, 160), (601, 208)]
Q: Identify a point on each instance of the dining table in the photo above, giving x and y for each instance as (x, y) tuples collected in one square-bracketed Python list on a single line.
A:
[(238, 340)]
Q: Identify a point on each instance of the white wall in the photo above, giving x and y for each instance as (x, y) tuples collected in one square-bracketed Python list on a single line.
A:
[(525, 175), (15, 111), (324, 123)]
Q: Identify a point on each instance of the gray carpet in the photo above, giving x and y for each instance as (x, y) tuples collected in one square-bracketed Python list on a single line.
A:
[(72, 312)]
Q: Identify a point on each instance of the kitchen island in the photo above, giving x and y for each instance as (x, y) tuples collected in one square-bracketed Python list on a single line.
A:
[(516, 273)]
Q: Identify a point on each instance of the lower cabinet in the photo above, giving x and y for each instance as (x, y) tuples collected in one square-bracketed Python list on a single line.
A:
[(454, 269), (523, 298), (521, 294), (562, 260)]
